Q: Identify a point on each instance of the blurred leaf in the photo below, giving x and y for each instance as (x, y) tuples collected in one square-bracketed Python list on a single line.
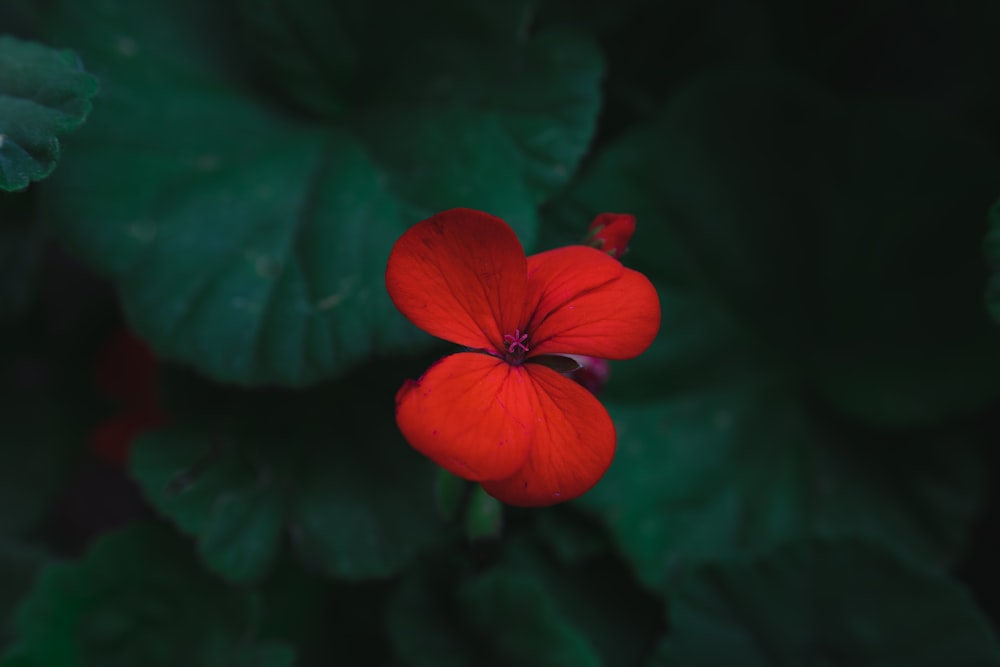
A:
[(139, 598), (524, 607), (850, 604), (251, 242), (599, 595), (834, 240), (483, 516), (743, 468), (495, 618), (790, 243), (18, 566), (572, 537), (425, 623), (357, 502), (324, 619), (449, 493), (43, 93), (534, 633)]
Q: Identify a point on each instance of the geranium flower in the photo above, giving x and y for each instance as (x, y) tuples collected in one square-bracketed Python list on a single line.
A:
[(498, 414)]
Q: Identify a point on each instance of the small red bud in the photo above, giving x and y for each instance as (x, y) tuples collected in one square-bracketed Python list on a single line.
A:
[(592, 374), (611, 232)]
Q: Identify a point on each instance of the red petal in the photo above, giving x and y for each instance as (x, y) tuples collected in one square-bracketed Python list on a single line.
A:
[(471, 414), (571, 449), (582, 301), (459, 275)]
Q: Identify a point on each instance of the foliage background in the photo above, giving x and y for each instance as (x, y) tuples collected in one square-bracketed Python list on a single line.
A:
[(806, 471)]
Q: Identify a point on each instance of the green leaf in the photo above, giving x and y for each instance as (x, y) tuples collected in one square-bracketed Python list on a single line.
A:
[(573, 537), (598, 594), (746, 467), (495, 618), (850, 604), (139, 598), (807, 356), (357, 502), (251, 242), (18, 566), (483, 516), (44, 93), (534, 633), (324, 619), (836, 240)]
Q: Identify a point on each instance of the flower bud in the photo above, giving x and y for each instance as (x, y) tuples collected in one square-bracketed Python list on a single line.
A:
[(611, 232), (592, 374)]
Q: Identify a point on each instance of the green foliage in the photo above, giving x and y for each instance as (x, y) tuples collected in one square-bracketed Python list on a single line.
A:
[(354, 500), (248, 233), (744, 468), (831, 240), (847, 603), (44, 93), (18, 566), (805, 471), (536, 636), (526, 609), (131, 601)]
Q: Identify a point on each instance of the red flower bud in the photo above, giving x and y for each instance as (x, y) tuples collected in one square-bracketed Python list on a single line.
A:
[(126, 374), (611, 232), (592, 373)]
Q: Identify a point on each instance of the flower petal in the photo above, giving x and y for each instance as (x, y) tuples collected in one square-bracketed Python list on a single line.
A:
[(571, 448), (470, 413), (582, 301), (459, 275)]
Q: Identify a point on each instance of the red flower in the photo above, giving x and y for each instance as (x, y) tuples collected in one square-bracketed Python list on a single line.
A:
[(611, 232), (497, 414), (126, 373)]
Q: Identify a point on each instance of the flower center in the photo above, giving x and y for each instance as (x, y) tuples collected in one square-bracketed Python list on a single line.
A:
[(517, 345)]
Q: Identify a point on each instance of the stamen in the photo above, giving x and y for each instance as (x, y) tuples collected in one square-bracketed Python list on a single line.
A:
[(517, 341)]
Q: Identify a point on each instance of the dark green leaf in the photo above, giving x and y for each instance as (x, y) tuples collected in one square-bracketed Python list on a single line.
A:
[(746, 467), (449, 493), (139, 598), (534, 632), (598, 595), (835, 240), (849, 604), (572, 537), (357, 502), (18, 567), (483, 516), (496, 618), (790, 235), (44, 93), (252, 243), (425, 623)]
